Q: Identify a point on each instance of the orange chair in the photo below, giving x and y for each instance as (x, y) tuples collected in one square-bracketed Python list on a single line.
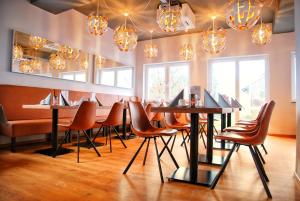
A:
[(252, 140), (83, 120), (115, 118), (142, 127)]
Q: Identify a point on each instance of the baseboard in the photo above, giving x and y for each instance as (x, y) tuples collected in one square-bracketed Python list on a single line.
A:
[(282, 135), (297, 178)]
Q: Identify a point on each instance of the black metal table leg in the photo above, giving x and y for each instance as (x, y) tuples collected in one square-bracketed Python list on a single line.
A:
[(223, 145), (228, 119)]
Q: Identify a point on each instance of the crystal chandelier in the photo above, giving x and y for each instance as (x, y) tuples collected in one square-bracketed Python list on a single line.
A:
[(168, 17), (17, 52), (214, 40), (262, 34), (37, 42), (186, 52), (125, 37), (84, 61), (97, 24), (150, 49), (57, 62), (35, 64), (25, 66), (242, 14), (99, 60), (68, 53)]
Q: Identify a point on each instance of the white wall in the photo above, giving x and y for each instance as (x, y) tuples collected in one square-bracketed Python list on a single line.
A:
[(238, 44), (68, 28)]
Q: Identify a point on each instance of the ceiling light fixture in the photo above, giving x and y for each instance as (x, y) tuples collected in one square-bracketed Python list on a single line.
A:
[(68, 53), (262, 34), (150, 49), (37, 42), (17, 52), (168, 16), (57, 62), (97, 24), (186, 52)]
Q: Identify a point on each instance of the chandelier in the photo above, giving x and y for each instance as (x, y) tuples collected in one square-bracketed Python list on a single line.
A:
[(151, 50), (186, 52), (262, 34), (125, 37), (242, 14), (99, 60), (37, 42), (214, 40), (35, 64), (57, 62), (17, 52), (168, 17), (84, 61), (68, 53), (25, 66), (97, 24)]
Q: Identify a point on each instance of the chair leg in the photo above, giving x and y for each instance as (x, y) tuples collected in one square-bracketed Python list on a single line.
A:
[(162, 151), (186, 150), (119, 137), (145, 157), (264, 148), (173, 143), (106, 135), (170, 153), (260, 172), (13, 144), (135, 155), (260, 164), (201, 135), (261, 158), (78, 145), (97, 134), (187, 136), (238, 147), (223, 167), (158, 161), (109, 135), (91, 142)]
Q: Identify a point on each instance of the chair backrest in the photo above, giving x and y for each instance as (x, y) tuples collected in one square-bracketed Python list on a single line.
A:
[(170, 119), (115, 116), (261, 112), (135, 99), (85, 116), (139, 118), (264, 124), (159, 116), (148, 111)]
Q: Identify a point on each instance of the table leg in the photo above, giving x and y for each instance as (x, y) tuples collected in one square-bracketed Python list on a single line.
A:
[(223, 126), (54, 128), (228, 119), (194, 147)]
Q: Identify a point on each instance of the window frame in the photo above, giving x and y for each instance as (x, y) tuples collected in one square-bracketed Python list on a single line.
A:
[(73, 73), (114, 70), (293, 78), (166, 66)]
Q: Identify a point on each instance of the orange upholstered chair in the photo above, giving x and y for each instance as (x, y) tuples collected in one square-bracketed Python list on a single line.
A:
[(83, 120), (141, 126), (252, 140)]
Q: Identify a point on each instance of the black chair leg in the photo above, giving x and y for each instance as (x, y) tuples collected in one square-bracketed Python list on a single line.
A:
[(264, 148), (106, 135), (78, 146), (135, 155), (170, 153), (91, 142), (158, 161), (261, 158), (146, 153), (97, 134), (186, 150), (260, 164), (13, 144), (109, 135), (238, 147), (260, 172), (162, 151), (119, 137), (173, 143), (223, 167), (203, 140)]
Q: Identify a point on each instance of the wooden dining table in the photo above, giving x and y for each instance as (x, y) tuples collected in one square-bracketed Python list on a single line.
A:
[(54, 134), (193, 174)]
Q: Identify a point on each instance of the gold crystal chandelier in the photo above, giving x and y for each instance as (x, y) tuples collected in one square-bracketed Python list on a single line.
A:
[(186, 52), (262, 34), (37, 42), (242, 14), (99, 60), (25, 66), (168, 17), (214, 40), (150, 49), (57, 62), (68, 53), (125, 37), (35, 64), (97, 24), (17, 52)]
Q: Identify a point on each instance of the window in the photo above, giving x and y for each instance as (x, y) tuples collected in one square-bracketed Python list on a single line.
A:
[(76, 76), (116, 77), (164, 81), (293, 74), (243, 78)]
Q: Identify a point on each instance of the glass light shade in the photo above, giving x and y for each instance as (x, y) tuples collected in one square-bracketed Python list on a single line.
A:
[(37, 42), (262, 34), (25, 66), (168, 17), (17, 52), (214, 41), (99, 61), (68, 53), (35, 64), (151, 50), (97, 24), (57, 62), (242, 14), (125, 38), (186, 52)]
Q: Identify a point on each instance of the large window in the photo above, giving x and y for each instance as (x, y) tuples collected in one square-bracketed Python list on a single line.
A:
[(76, 75), (164, 81), (293, 74), (116, 77), (243, 78)]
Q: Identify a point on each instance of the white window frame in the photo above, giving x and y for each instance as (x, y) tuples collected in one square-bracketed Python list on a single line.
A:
[(166, 66), (115, 70), (293, 80), (73, 73)]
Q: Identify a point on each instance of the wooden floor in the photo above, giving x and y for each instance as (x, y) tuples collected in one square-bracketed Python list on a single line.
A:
[(29, 176)]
